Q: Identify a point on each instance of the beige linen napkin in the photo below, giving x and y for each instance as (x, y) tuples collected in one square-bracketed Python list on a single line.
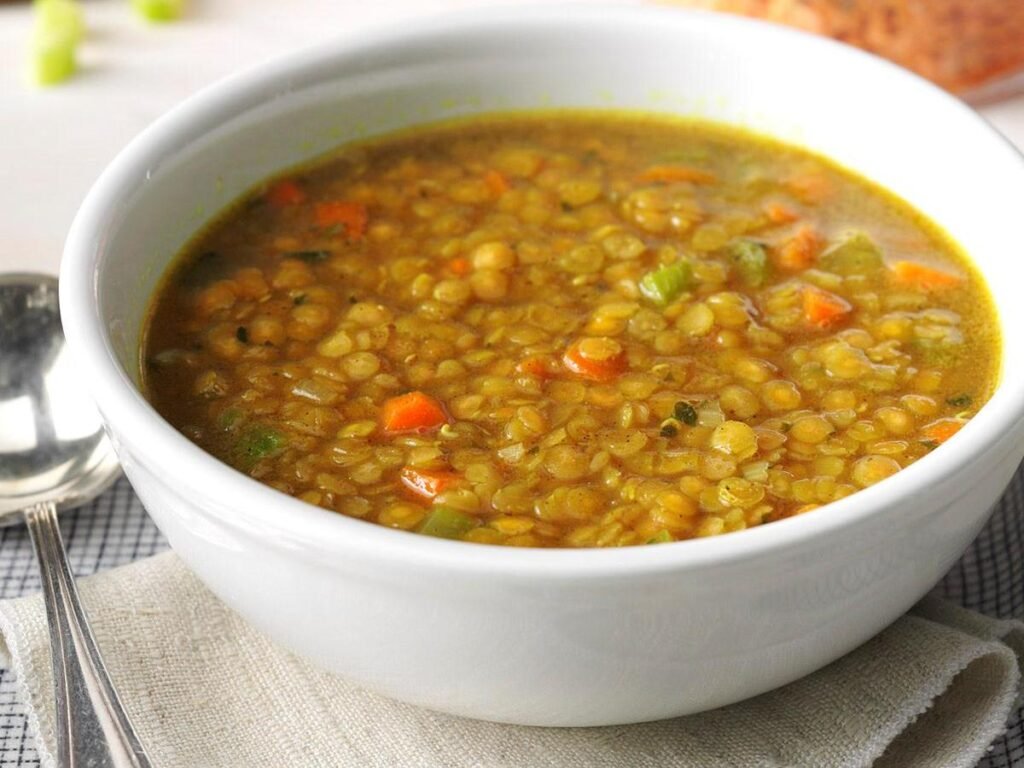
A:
[(205, 691)]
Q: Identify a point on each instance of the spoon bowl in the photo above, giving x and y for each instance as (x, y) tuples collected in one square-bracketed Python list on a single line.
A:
[(55, 455), (52, 444)]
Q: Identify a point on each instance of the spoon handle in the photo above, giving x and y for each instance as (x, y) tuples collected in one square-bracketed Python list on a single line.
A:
[(93, 728)]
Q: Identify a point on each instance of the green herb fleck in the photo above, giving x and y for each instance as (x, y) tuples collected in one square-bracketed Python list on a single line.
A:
[(960, 401), (242, 334), (661, 537), (299, 300), (685, 413), (931, 445)]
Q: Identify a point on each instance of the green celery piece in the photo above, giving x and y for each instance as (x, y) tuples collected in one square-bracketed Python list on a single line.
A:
[(664, 285), (661, 537), (159, 10), (258, 441), (57, 30), (447, 523), (751, 261), (61, 16), (52, 61), (856, 255)]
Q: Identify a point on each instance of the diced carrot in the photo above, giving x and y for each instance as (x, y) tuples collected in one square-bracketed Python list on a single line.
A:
[(285, 193), (460, 266), (809, 188), (427, 483), (940, 430), (778, 213), (352, 216), (414, 411), (667, 174), (928, 278), (541, 367), (798, 253), (496, 182), (823, 309), (597, 358)]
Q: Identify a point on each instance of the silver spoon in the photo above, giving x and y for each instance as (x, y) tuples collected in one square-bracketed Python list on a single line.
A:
[(54, 455)]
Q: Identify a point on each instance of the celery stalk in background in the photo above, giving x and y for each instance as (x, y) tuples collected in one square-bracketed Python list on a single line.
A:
[(56, 32), (158, 10)]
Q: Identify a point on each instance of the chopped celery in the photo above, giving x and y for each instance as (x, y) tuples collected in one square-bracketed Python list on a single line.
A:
[(856, 255), (447, 523), (751, 261), (63, 16), (55, 36), (256, 442), (661, 537), (664, 285), (53, 61), (158, 10)]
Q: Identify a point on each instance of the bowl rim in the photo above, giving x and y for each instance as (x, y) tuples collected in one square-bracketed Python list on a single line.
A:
[(154, 441)]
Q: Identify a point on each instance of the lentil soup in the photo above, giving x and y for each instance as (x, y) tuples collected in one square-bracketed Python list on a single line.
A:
[(570, 330)]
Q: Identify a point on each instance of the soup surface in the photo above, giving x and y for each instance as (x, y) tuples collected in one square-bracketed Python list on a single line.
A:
[(570, 330)]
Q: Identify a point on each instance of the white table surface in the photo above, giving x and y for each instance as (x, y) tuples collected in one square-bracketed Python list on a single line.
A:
[(54, 142)]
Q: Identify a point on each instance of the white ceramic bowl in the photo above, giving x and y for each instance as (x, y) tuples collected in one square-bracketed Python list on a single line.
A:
[(551, 637)]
